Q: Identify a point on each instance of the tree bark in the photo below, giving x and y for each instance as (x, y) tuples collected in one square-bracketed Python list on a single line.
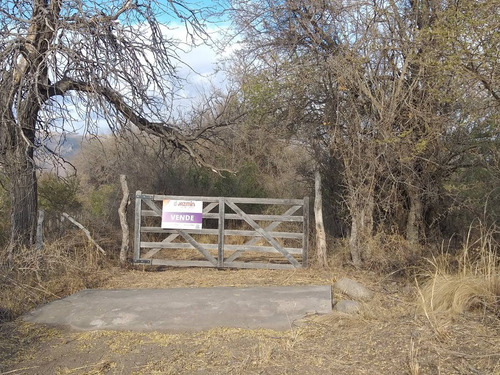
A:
[(361, 210), (354, 247), (17, 145), (367, 220), (321, 248), (21, 173), (122, 212), (414, 223)]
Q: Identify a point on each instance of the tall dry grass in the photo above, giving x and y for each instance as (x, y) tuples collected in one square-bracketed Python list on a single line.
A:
[(391, 254), (467, 280), (61, 268)]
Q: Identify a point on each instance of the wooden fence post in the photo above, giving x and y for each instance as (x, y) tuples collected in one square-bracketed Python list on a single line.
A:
[(318, 218), (84, 230), (305, 229), (39, 230), (137, 227), (222, 208), (122, 213)]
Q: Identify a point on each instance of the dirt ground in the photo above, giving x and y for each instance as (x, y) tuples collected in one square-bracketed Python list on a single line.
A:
[(390, 336)]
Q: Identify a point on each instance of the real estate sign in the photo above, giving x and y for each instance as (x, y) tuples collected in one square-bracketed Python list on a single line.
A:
[(177, 214)]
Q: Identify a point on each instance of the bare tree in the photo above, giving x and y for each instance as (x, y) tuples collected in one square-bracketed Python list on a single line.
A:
[(115, 61), (377, 84), (310, 43)]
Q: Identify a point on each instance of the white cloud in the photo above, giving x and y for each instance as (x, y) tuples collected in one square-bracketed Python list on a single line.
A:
[(199, 65), (196, 66)]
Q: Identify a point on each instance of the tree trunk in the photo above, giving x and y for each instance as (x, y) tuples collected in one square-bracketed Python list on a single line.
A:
[(122, 212), (361, 210), (414, 223), (23, 194), (17, 140), (354, 241), (318, 215), (367, 220)]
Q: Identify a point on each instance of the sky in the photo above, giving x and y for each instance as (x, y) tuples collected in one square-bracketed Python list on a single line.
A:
[(198, 70)]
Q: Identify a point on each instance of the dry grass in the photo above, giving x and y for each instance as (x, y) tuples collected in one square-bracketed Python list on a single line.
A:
[(391, 341), (98, 368), (467, 281), (39, 276), (211, 277), (390, 254), (458, 293), (265, 255), (413, 365), (386, 338)]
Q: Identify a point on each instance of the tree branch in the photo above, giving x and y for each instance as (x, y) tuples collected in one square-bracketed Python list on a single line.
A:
[(161, 129)]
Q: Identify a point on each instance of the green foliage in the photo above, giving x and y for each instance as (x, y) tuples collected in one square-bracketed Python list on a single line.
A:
[(245, 183), (260, 92), (101, 199), (56, 194), (199, 179)]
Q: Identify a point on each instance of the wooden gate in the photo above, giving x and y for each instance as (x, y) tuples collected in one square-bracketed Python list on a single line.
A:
[(237, 233)]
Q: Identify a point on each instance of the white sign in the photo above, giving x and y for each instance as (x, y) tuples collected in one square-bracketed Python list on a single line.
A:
[(178, 214)]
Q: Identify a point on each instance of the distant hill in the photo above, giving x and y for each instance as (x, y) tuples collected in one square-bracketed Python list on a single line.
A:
[(62, 148)]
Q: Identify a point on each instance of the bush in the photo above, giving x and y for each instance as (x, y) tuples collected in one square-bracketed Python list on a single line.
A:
[(57, 195), (245, 183), (61, 268), (392, 253), (101, 199)]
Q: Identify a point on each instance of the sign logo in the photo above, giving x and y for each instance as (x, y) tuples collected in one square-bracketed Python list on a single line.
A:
[(178, 214)]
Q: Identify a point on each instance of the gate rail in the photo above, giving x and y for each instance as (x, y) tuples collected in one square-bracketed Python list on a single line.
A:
[(262, 227)]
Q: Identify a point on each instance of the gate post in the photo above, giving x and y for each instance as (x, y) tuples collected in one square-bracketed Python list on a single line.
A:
[(137, 227), (220, 247), (39, 230), (305, 239)]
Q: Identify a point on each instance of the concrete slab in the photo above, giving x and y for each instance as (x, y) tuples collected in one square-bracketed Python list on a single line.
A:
[(185, 309)]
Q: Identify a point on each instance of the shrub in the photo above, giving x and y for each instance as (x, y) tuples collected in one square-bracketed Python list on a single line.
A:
[(245, 183), (392, 253), (61, 268), (57, 195), (101, 199)]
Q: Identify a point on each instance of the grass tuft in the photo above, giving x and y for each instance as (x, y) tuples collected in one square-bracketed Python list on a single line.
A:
[(466, 281), (458, 293), (61, 268)]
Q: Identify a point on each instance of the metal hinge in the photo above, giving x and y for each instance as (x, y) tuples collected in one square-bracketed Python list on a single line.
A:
[(142, 261)]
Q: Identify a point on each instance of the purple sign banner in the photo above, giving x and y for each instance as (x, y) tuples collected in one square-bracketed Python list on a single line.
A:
[(178, 214)]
